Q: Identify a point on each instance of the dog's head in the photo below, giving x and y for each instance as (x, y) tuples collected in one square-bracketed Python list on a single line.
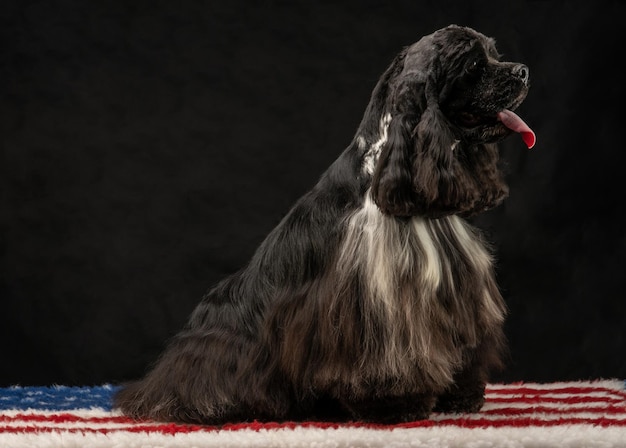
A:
[(442, 105)]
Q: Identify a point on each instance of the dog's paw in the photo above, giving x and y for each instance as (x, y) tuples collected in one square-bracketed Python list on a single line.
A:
[(392, 410), (460, 402)]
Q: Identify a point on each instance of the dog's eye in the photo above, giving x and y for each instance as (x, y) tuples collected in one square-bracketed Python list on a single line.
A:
[(472, 67)]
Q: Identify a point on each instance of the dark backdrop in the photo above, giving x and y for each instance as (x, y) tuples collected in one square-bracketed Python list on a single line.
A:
[(149, 146)]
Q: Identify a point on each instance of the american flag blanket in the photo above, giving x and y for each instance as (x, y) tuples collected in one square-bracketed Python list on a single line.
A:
[(562, 414)]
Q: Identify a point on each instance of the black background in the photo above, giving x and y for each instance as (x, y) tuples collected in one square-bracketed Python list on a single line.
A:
[(149, 146)]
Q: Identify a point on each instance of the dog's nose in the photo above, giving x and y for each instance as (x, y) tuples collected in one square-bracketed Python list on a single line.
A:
[(522, 72)]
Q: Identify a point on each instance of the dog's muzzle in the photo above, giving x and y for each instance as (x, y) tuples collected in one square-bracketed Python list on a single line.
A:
[(522, 72)]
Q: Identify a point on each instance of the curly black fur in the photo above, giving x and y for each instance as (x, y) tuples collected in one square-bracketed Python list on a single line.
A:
[(372, 299)]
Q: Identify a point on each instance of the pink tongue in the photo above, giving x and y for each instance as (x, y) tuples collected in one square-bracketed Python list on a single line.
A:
[(512, 121)]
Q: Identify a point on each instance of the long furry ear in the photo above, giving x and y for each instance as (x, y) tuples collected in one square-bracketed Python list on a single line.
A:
[(392, 187), (423, 170), (413, 166), (438, 190), (450, 177)]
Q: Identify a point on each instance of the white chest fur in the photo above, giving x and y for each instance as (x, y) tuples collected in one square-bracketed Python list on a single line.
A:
[(427, 289)]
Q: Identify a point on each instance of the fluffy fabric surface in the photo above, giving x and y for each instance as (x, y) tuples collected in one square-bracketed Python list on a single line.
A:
[(564, 414)]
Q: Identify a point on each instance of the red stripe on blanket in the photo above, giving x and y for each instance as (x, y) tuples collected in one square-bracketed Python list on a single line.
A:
[(556, 411), (565, 400), (510, 390)]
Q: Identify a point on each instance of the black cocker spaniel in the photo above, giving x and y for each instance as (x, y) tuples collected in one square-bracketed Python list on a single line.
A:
[(373, 299)]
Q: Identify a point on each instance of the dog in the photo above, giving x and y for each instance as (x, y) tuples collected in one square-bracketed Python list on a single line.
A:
[(373, 299)]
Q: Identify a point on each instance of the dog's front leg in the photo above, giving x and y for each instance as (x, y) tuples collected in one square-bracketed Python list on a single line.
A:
[(467, 392), (465, 395), (392, 409)]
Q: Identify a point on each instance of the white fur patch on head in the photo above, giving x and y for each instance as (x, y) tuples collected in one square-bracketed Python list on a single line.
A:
[(361, 143), (372, 154)]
